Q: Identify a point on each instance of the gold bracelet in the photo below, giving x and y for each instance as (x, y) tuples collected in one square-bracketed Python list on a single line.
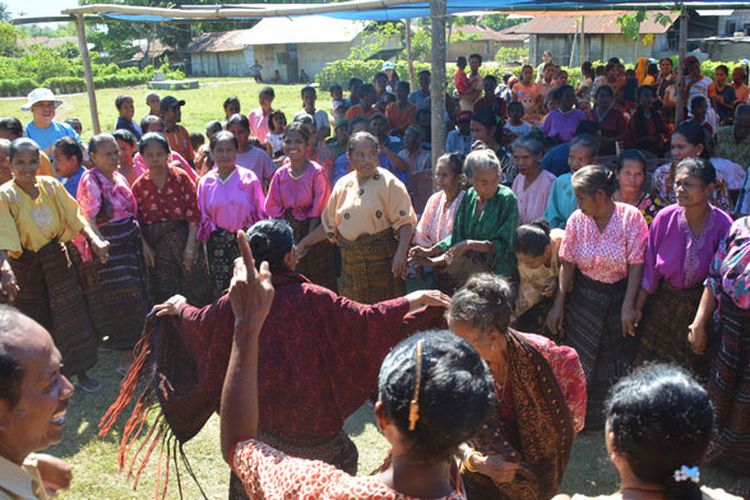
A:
[(467, 461)]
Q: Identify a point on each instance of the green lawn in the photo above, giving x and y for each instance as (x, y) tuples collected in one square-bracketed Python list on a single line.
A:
[(203, 104), (94, 460)]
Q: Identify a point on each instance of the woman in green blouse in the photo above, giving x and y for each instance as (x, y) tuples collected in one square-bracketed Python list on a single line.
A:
[(483, 231)]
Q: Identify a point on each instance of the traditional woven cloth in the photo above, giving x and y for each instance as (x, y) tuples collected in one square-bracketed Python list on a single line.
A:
[(593, 328), (168, 277), (88, 277), (366, 275), (729, 388), (663, 330), (318, 264), (221, 251), (541, 435), (50, 294), (123, 283), (534, 319)]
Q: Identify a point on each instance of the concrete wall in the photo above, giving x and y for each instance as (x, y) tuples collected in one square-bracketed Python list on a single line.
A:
[(598, 47), (236, 63), (487, 49)]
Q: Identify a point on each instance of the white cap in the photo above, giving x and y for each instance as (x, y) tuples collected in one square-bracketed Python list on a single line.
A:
[(40, 95)]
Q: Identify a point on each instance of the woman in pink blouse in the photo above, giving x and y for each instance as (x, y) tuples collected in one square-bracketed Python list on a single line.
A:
[(230, 198), (602, 261), (298, 193), (532, 185), (317, 150), (106, 199), (681, 244), (422, 382)]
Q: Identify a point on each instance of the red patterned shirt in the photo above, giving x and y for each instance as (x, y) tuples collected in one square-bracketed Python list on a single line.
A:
[(269, 473), (175, 201)]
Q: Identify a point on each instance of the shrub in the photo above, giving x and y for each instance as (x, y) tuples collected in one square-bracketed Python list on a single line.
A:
[(17, 87), (65, 84)]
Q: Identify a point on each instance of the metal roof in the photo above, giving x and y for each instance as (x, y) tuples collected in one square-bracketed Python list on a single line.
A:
[(280, 30), (594, 25)]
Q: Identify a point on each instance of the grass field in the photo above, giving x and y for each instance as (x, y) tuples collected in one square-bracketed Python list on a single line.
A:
[(94, 460)]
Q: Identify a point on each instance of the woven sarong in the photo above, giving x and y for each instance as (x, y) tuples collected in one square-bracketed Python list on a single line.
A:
[(729, 388), (339, 452), (534, 319), (663, 331), (318, 264), (366, 275), (168, 276), (50, 294), (88, 277), (221, 251), (593, 328), (123, 283)]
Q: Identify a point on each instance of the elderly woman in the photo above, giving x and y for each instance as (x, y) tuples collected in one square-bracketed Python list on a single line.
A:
[(169, 217), (602, 261), (631, 175), (532, 185), (37, 216), (522, 450), (681, 244), (106, 199), (370, 217), (537, 248), (299, 193), (689, 140), (311, 334), (482, 235), (652, 463), (230, 198), (728, 290), (562, 200)]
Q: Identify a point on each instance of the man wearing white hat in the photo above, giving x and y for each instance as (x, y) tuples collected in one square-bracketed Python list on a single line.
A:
[(43, 129)]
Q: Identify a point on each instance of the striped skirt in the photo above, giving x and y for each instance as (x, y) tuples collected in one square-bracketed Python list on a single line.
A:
[(123, 283), (663, 331), (88, 277), (593, 328), (319, 263), (168, 277), (51, 295), (729, 388), (221, 251), (366, 275)]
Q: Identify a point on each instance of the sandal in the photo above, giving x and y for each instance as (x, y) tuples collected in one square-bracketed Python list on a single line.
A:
[(89, 385)]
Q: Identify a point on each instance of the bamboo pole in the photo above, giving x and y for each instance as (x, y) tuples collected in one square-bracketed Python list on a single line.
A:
[(410, 56), (87, 73), (682, 50), (573, 44), (582, 50), (438, 12)]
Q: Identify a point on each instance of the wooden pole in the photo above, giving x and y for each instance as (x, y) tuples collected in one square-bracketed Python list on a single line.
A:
[(682, 50), (582, 50), (410, 56), (573, 45), (438, 12), (87, 73)]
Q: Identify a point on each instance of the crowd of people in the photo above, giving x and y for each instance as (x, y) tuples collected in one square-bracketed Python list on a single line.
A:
[(579, 239)]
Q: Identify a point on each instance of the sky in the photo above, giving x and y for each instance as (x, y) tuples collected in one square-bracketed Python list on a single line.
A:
[(38, 7)]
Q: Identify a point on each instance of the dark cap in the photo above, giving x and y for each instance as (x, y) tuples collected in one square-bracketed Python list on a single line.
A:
[(170, 102)]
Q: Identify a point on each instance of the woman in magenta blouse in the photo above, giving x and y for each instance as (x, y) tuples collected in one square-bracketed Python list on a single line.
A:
[(230, 198), (106, 199), (681, 243), (298, 193), (602, 261)]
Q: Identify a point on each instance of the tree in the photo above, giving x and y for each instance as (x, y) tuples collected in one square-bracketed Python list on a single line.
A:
[(4, 12), (9, 35)]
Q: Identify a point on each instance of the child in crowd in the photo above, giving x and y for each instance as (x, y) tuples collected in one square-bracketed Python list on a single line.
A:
[(515, 125), (197, 140), (275, 138), (126, 109), (231, 106), (127, 146), (337, 143), (153, 101), (460, 78), (338, 104), (75, 124), (401, 113), (561, 78), (699, 113), (203, 160), (68, 155), (741, 90), (724, 97)]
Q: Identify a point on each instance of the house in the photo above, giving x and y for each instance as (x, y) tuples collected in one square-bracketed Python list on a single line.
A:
[(153, 52), (290, 45), (732, 40), (603, 37), (475, 39)]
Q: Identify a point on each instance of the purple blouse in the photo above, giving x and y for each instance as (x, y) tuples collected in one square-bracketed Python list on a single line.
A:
[(562, 125), (232, 204), (674, 254), (94, 186), (306, 196)]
